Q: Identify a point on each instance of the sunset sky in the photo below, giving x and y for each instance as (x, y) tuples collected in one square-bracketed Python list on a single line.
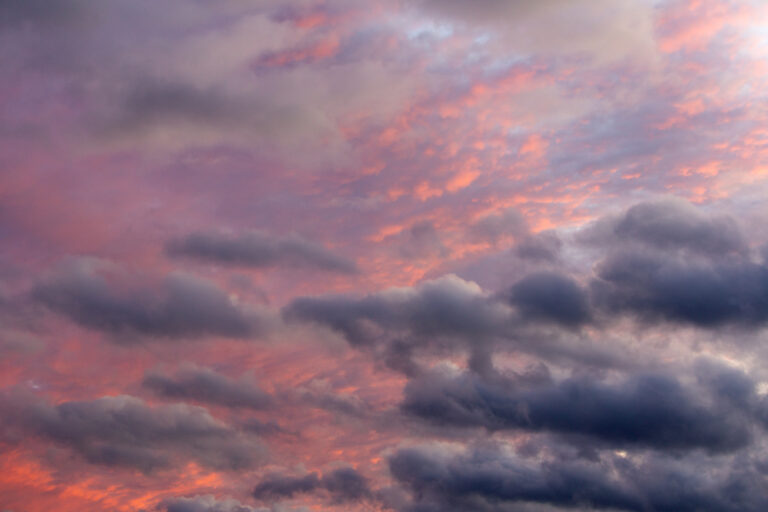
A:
[(383, 255)]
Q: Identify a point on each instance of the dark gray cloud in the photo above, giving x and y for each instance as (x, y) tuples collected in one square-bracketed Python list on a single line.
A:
[(343, 485), (450, 315), (277, 487), (551, 296), (446, 314), (207, 504), (207, 386), (260, 250), (700, 292), (653, 411), (490, 480), (110, 299), (669, 225), (125, 431), (448, 307)]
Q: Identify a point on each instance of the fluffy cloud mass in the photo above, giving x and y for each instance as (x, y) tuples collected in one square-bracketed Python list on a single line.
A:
[(399, 255)]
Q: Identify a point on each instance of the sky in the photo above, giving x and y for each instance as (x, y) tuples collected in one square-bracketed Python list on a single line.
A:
[(392, 255)]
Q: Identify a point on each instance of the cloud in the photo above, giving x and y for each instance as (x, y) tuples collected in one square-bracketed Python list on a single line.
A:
[(544, 246), (702, 293), (646, 410), (605, 32), (318, 393), (421, 240), (451, 315), (21, 13), (18, 341), (149, 103), (551, 296), (206, 386), (510, 224), (655, 261), (444, 314), (108, 298), (448, 306), (494, 480), (343, 485), (207, 504), (494, 227), (670, 224), (260, 250), (124, 431), (670, 260)]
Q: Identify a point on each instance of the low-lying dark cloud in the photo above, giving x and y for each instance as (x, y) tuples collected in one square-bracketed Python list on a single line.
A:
[(124, 431), (111, 299), (649, 411), (343, 485), (491, 480), (207, 504), (260, 250), (703, 293), (204, 385)]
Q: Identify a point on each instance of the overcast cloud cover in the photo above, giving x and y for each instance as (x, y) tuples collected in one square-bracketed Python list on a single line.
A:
[(395, 255)]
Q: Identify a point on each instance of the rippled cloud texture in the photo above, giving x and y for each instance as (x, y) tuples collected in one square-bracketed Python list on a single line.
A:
[(393, 255)]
